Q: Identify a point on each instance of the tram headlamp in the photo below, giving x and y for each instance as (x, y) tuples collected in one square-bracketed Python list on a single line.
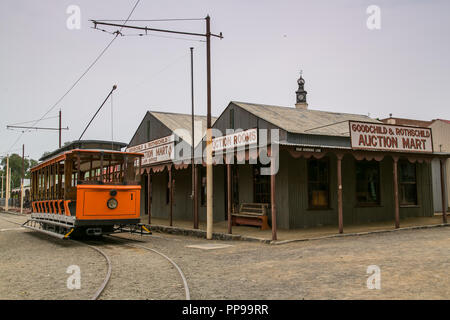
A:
[(112, 203)]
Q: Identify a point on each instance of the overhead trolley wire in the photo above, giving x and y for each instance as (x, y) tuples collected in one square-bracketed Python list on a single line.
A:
[(152, 20), (14, 124), (80, 77), (159, 36)]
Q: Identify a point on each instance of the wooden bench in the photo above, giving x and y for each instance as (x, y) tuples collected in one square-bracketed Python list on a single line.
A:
[(252, 214)]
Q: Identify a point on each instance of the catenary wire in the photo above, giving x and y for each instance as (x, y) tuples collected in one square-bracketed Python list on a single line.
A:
[(79, 78), (151, 20)]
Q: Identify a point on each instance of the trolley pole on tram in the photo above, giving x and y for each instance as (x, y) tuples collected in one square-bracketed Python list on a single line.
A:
[(209, 168)]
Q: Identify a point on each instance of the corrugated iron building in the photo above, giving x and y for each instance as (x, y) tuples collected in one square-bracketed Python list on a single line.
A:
[(321, 179), (441, 143)]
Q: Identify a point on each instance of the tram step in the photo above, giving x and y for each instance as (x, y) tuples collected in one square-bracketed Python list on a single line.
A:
[(53, 234)]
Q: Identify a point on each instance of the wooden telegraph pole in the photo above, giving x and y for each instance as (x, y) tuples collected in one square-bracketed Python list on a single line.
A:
[(60, 128), (42, 128), (7, 183), (209, 168), (23, 177), (194, 186)]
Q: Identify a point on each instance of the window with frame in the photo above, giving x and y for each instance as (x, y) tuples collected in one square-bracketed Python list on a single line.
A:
[(318, 183), (261, 186), (407, 181), (368, 182)]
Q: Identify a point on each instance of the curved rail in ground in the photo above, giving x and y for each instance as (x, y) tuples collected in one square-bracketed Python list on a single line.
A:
[(183, 278), (108, 273), (108, 261)]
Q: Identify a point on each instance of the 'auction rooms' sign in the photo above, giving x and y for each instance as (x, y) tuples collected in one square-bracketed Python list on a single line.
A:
[(375, 136), (156, 150), (238, 139)]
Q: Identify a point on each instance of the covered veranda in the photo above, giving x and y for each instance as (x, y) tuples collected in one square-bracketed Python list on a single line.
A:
[(296, 152), (306, 233)]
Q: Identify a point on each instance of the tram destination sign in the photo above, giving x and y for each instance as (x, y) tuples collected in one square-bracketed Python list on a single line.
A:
[(157, 150), (386, 137)]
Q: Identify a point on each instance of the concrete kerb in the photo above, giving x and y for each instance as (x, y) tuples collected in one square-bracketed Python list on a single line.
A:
[(202, 234), (233, 237), (279, 242), (12, 213)]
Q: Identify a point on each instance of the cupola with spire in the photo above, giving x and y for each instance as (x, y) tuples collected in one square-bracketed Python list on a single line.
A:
[(301, 94)]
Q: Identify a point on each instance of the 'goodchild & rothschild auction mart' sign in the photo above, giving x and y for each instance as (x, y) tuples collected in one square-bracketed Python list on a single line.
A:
[(237, 139), (155, 151), (375, 136)]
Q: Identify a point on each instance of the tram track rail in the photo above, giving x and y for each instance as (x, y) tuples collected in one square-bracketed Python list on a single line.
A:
[(180, 272), (108, 272), (105, 282), (107, 278)]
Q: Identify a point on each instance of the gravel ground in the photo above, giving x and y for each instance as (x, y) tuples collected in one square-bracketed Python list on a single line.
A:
[(414, 265), (139, 274), (34, 265)]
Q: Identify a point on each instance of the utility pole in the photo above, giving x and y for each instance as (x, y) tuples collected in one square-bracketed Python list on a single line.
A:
[(194, 187), (209, 168), (60, 128), (42, 128), (7, 183), (1, 195), (23, 177)]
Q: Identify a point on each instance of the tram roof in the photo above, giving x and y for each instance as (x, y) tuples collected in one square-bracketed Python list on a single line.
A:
[(62, 155), (86, 144)]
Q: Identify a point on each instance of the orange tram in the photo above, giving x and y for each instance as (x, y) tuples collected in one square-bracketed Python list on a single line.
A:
[(86, 188)]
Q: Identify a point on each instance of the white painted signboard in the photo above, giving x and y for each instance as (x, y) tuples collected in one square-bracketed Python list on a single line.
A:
[(386, 137), (155, 151), (238, 139)]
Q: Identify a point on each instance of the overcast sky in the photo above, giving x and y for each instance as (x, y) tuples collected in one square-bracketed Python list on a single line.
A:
[(402, 68)]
